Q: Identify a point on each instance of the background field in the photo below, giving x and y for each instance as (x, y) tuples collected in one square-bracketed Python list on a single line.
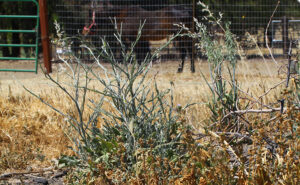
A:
[(33, 135)]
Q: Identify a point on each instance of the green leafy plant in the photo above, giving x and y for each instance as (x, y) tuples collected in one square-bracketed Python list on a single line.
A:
[(224, 99), (123, 121)]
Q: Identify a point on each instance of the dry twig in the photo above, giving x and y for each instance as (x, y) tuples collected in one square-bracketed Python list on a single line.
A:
[(266, 33), (229, 150), (11, 174)]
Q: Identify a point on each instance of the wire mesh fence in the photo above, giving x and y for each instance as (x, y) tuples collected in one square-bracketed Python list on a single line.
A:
[(249, 20), (102, 19)]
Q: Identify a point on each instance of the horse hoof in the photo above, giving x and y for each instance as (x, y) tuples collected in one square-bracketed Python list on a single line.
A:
[(179, 70)]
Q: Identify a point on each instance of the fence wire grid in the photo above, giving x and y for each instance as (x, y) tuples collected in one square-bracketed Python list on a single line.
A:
[(248, 19)]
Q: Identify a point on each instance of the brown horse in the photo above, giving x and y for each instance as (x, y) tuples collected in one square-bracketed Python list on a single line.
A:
[(159, 24)]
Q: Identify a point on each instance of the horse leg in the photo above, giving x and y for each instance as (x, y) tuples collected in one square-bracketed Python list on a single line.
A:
[(137, 52), (182, 51), (192, 64), (146, 49), (192, 55), (5, 50), (141, 50), (115, 48), (75, 47)]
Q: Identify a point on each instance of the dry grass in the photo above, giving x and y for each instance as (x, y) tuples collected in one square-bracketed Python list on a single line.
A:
[(32, 135)]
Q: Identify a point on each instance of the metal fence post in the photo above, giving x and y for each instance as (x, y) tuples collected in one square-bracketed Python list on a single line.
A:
[(285, 36), (45, 34), (193, 41)]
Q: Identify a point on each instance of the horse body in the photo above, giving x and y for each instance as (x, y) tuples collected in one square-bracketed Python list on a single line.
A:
[(158, 25)]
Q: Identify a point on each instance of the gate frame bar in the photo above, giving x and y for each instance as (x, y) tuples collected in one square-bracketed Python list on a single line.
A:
[(36, 31)]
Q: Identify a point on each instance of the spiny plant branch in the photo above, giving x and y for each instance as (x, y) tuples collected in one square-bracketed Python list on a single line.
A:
[(266, 33)]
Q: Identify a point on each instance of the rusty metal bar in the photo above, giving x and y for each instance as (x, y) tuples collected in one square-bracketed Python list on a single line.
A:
[(45, 34)]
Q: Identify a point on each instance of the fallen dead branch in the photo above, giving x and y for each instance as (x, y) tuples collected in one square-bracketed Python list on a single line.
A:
[(11, 174), (236, 160), (253, 111), (256, 111)]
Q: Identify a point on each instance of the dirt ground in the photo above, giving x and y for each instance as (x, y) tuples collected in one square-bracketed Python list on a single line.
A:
[(255, 76), (251, 73), (166, 71), (17, 65), (172, 65)]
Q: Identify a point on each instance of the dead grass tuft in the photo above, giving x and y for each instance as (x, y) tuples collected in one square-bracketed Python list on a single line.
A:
[(32, 135)]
